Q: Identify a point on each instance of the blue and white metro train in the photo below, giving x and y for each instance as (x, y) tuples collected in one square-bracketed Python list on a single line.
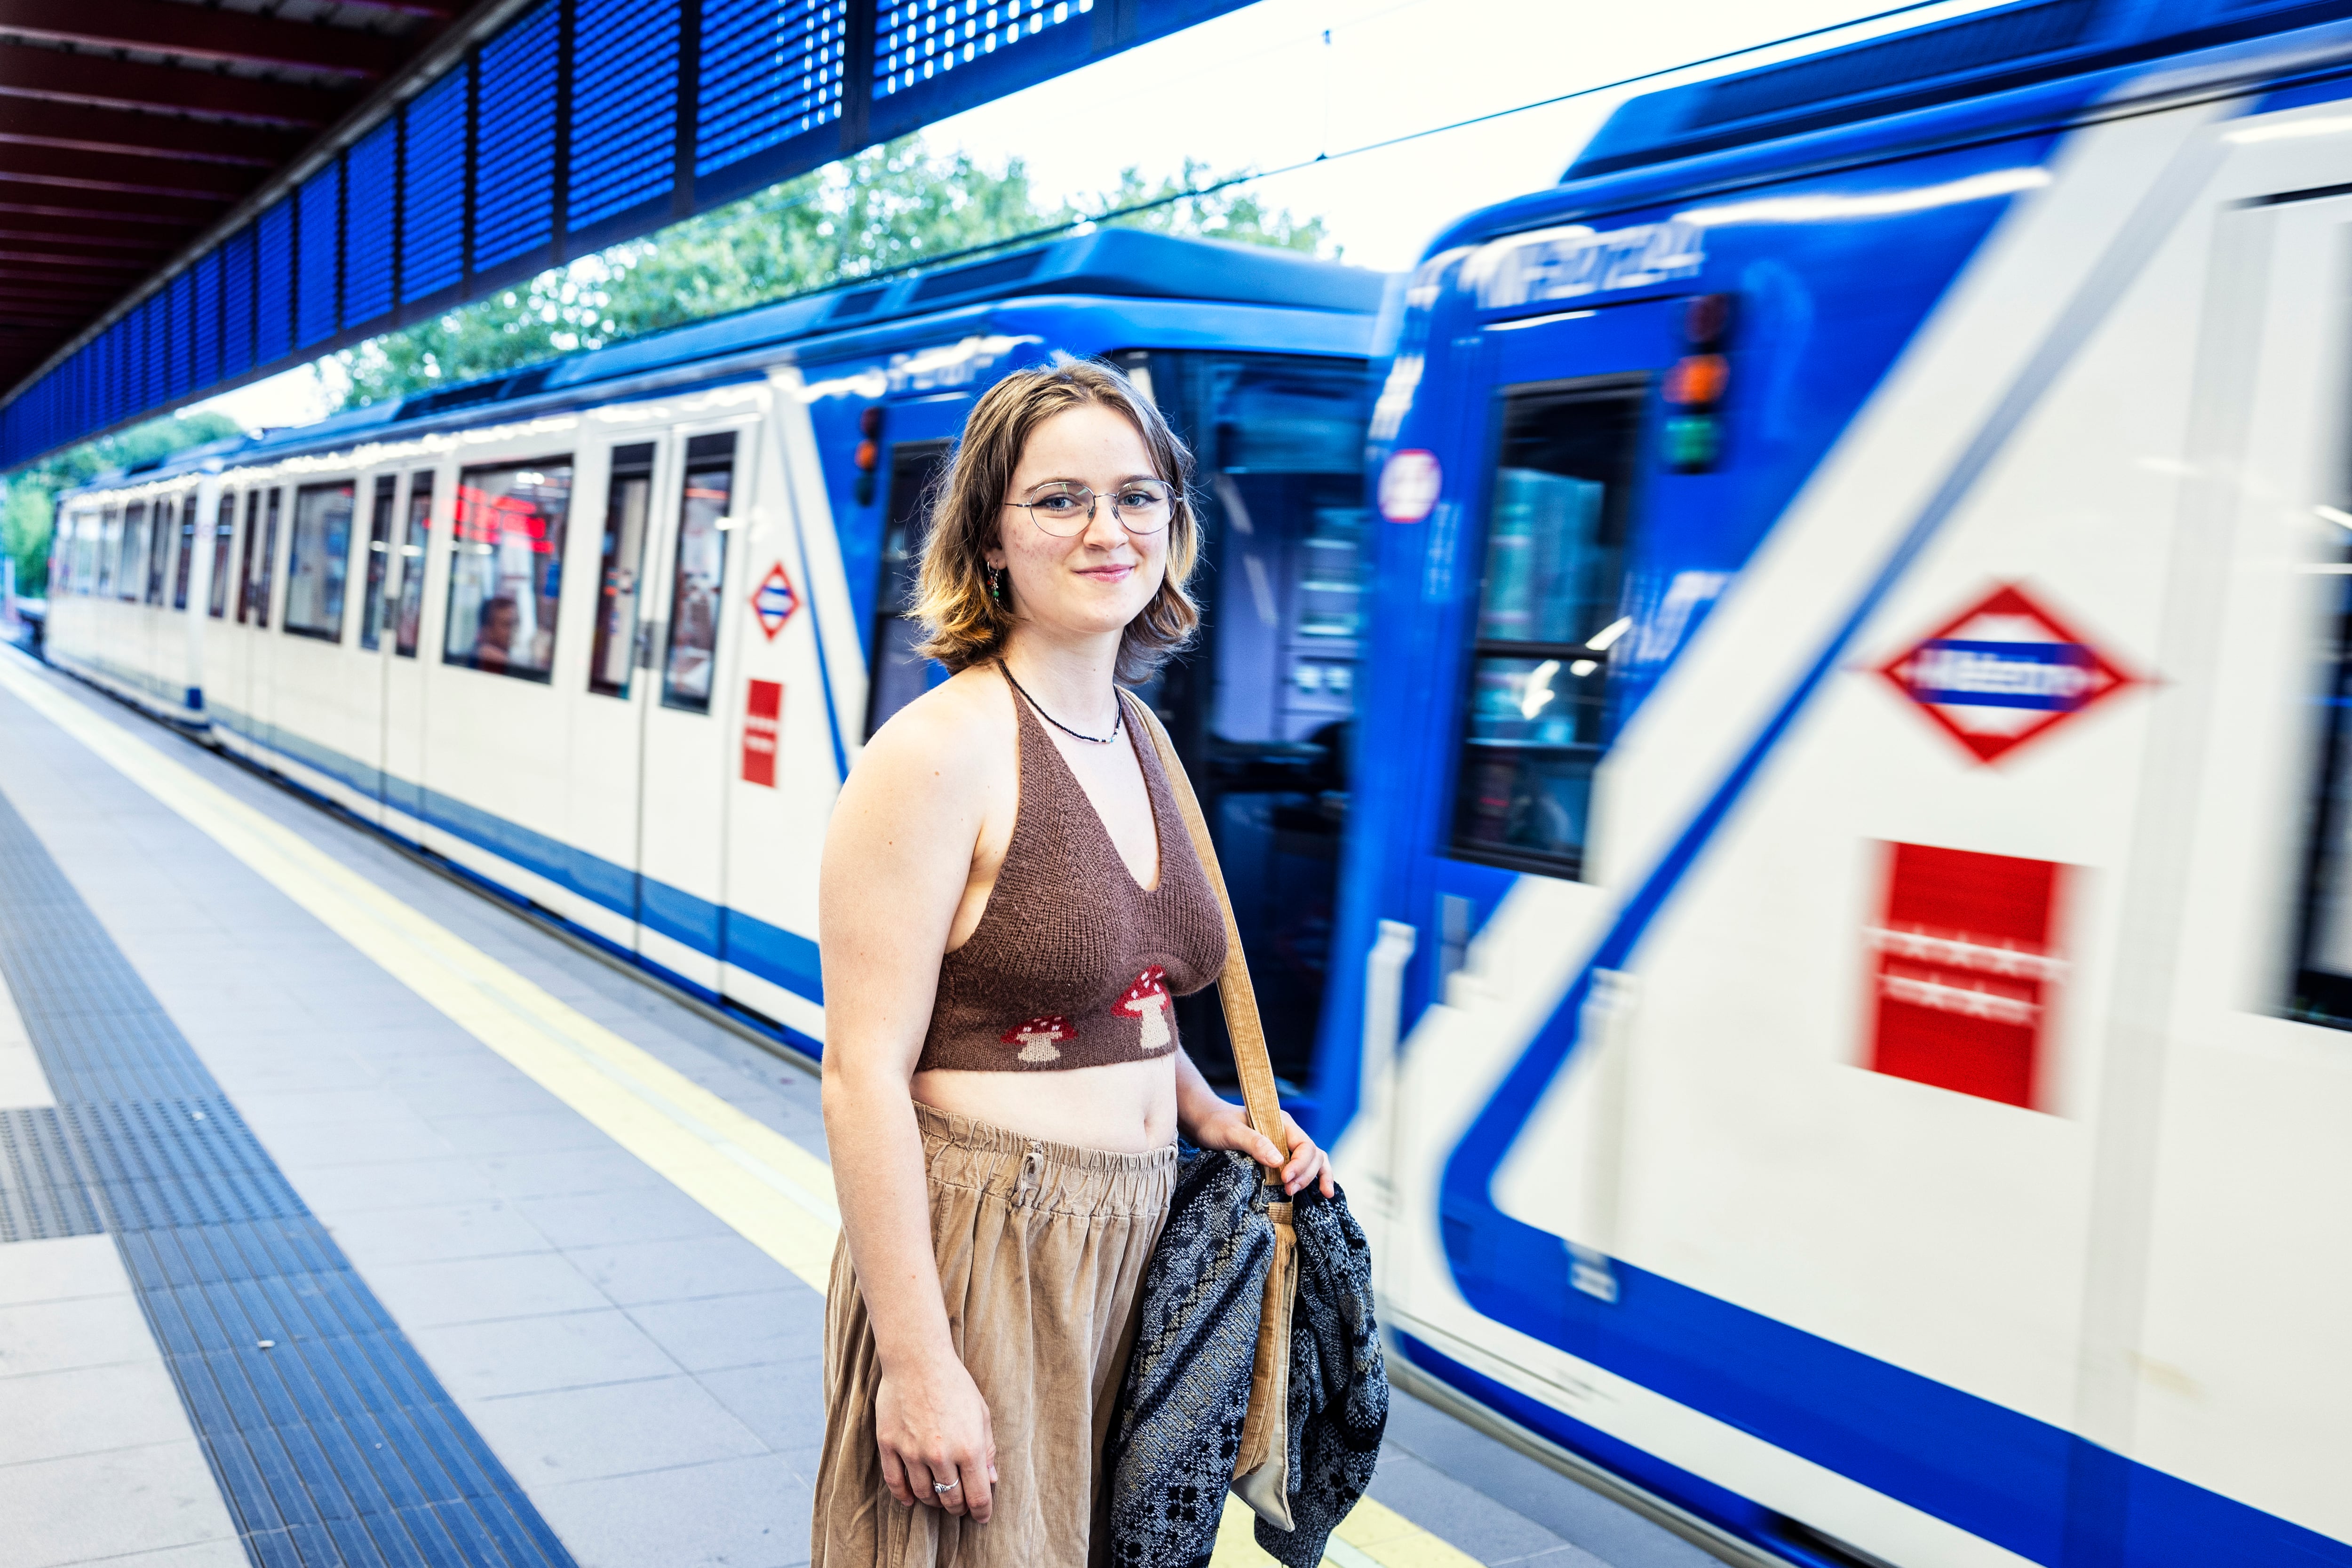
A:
[(1828, 957)]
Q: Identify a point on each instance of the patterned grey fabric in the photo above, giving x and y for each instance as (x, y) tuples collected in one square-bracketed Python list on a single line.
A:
[(1338, 1380), (1177, 1427)]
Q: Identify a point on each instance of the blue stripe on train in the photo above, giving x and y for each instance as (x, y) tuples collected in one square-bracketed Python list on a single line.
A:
[(782, 957)]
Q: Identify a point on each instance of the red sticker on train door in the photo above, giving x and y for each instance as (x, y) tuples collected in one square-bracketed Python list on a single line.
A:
[(1965, 970), (763, 710)]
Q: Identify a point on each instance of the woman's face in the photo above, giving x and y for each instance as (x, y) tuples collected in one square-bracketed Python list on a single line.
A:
[(1100, 579)]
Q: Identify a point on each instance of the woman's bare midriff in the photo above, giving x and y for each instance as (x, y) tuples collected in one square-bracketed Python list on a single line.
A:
[(1126, 1107)]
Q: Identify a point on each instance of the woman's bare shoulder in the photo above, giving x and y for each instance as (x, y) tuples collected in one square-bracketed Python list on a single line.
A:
[(955, 738)]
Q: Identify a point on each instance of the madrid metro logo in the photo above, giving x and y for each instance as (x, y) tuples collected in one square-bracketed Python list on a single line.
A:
[(2004, 671)]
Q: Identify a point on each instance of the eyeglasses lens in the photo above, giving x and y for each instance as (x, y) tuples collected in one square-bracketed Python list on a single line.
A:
[(1142, 506)]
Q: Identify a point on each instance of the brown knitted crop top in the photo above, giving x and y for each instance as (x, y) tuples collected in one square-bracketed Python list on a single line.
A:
[(1073, 965)]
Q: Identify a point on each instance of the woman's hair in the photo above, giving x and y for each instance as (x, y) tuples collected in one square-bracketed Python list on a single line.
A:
[(967, 504)]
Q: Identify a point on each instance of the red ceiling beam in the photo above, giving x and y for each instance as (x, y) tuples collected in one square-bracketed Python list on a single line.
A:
[(203, 33), (93, 234), (87, 78), (133, 176), (14, 259), (85, 129), (32, 196)]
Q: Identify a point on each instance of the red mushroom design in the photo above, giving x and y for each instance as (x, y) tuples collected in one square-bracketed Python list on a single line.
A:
[(1148, 999), (1036, 1037)]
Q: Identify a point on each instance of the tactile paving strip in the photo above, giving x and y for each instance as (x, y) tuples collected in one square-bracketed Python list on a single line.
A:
[(42, 1193), (332, 1441)]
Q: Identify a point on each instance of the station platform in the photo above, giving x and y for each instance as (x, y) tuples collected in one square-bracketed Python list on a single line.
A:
[(348, 1218)]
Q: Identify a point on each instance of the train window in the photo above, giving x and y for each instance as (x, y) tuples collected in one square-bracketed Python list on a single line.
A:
[(628, 501), (2322, 985), (412, 563), (131, 553), (375, 602), (506, 568), (224, 539), (109, 543), (318, 561), (698, 584), (187, 553), (901, 675), (86, 553), (267, 564), (161, 528), (1537, 721)]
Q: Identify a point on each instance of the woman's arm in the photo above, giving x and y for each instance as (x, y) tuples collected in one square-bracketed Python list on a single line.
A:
[(1214, 1123), (897, 859)]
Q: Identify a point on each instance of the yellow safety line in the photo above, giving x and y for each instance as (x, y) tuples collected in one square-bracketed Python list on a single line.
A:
[(1370, 1536), (777, 1195)]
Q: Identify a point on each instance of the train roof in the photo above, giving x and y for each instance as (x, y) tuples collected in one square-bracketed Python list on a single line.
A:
[(2010, 71), (1112, 263)]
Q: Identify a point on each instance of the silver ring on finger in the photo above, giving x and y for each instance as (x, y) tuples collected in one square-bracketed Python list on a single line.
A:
[(945, 1486)]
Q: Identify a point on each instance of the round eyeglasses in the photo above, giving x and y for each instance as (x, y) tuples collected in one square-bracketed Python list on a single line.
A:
[(1066, 510)]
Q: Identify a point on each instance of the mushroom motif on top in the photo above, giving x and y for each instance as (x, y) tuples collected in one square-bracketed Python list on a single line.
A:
[(1148, 999), (1036, 1037)]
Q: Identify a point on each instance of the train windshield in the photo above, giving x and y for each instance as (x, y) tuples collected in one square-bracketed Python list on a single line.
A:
[(1262, 708)]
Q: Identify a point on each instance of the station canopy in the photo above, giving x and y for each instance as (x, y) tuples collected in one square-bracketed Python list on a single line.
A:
[(195, 195)]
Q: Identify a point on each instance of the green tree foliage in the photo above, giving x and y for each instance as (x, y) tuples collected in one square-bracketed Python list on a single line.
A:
[(30, 506), (890, 207)]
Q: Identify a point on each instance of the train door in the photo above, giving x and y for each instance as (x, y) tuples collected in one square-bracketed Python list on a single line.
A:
[(408, 558), (681, 834), (1263, 708), (899, 676), (1504, 604), (608, 739)]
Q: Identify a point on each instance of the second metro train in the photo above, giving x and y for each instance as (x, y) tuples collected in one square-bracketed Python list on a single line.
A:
[(1827, 955)]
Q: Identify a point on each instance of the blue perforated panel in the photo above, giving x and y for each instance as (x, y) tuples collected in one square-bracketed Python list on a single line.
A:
[(370, 209), (623, 105), (180, 341), (207, 362), (236, 302), (514, 208), (318, 211), (433, 189), (923, 39), (771, 70), (274, 301)]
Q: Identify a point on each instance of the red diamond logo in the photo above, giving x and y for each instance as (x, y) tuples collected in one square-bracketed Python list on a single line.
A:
[(774, 600), (2004, 671)]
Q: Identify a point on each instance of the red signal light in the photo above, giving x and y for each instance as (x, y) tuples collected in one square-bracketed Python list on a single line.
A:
[(1697, 380), (869, 423)]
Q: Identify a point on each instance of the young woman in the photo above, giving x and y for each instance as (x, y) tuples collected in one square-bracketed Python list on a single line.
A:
[(1009, 906)]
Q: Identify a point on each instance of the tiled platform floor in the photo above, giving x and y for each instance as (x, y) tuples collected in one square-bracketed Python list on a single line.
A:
[(648, 1377)]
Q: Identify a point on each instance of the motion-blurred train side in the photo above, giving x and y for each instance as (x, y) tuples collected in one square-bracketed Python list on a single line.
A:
[(1856, 933), (607, 634)]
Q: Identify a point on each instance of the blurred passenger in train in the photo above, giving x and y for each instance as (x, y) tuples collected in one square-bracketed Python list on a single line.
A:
[(494, 637), (1009, 901)]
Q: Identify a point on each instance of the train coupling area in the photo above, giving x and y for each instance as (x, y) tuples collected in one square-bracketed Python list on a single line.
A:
[(347, 1219)]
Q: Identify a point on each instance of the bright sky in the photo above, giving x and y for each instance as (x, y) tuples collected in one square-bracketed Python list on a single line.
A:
[(1287, 81)]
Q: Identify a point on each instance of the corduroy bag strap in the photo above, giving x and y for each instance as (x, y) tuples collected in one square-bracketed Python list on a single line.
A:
[(1262, 1471)]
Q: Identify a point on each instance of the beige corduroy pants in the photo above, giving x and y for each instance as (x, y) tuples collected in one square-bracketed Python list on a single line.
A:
[(1041, 1250)]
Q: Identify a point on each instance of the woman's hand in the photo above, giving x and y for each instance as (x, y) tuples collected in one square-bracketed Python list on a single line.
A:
[(932, 1427), (1227, 1126)]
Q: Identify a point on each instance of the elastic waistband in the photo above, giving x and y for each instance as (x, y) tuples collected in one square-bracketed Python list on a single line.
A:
[(982, 1138)]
